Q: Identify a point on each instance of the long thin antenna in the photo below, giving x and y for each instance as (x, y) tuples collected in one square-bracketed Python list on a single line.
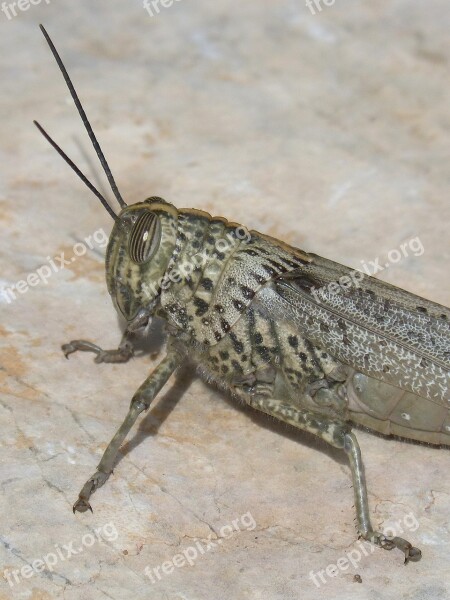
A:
[(85, 120), (92, 171), (73, 166)]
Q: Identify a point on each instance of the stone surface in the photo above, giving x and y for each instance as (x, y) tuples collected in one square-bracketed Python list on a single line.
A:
[(329, 131)]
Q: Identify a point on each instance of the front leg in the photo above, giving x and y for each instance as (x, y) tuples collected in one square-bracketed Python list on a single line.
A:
[(125, 350), (121, 354), (339, 435), (140, 402)]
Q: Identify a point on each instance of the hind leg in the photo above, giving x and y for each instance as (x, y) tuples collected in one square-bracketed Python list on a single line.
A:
[(365, 528), (339, 435)]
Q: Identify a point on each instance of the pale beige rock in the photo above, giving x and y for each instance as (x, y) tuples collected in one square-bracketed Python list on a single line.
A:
[(329, 131)]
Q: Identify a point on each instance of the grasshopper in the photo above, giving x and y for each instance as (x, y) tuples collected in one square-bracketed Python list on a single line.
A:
[(262, 320)]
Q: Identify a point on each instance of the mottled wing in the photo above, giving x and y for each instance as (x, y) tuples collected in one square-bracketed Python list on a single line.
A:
[(378, 329)]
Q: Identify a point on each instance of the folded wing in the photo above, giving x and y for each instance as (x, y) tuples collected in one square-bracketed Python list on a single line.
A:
[(378, 329)]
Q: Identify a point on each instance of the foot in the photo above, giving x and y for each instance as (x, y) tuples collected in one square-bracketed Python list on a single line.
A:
[(93, 483), (81, 506), (122, 354), (388, 543)]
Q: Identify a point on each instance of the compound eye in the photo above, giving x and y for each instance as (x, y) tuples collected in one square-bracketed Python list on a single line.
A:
[(144, 238)]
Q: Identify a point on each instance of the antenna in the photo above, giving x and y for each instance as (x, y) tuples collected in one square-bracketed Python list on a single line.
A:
[(85, 120), (73, 166)]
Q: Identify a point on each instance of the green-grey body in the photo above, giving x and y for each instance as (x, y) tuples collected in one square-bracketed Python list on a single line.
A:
[(243, 304), (269, 324), (262, 320)]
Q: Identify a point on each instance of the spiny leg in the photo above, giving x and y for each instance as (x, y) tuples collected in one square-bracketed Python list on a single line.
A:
[(338, 435), (140, 402), (365, 528), (120, 355)]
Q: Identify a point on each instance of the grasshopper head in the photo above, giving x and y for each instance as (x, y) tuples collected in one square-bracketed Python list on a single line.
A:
[(140, 247)]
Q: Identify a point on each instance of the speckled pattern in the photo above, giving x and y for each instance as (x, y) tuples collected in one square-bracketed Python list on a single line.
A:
[(328, 131)]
